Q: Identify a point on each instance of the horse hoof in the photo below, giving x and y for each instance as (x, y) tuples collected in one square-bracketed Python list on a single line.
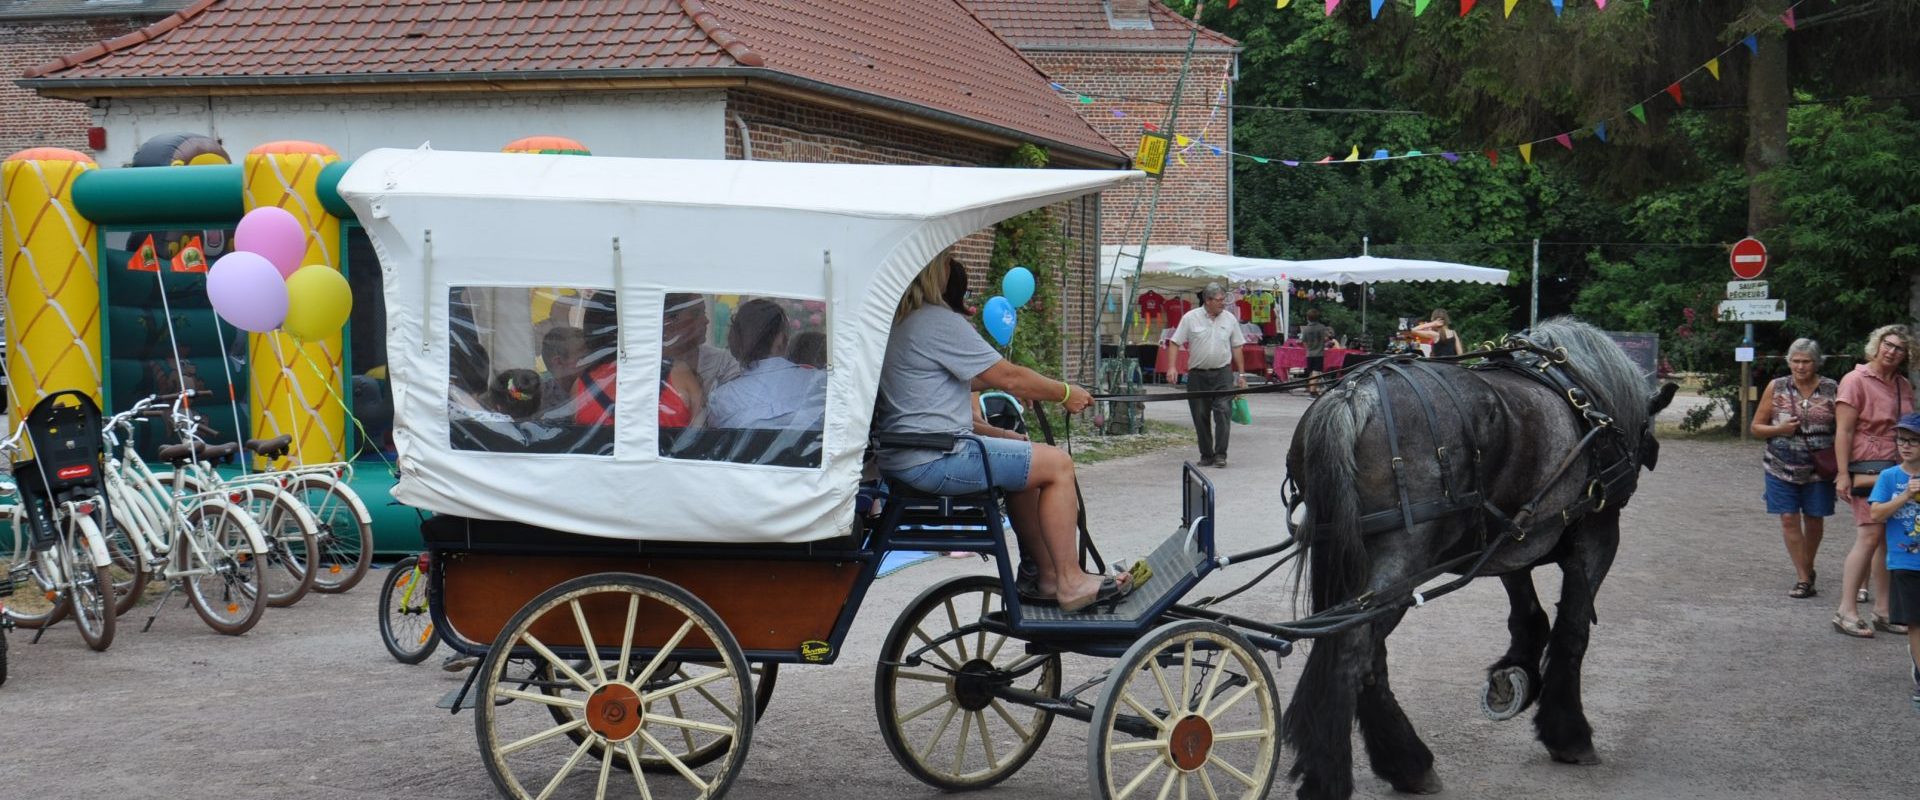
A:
[(1428, 783), (1506, 693), (1584, 756)]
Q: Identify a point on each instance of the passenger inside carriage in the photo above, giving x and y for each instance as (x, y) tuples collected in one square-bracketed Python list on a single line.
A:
[(772, 392)]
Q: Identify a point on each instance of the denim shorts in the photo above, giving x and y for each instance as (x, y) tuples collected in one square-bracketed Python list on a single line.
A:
[(960, 472), (1812, 499)]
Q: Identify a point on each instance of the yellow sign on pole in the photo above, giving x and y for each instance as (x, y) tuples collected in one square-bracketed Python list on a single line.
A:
[(1151, 157)]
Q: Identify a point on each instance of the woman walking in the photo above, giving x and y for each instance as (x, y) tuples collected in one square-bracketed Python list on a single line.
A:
[(1872, 397), (1797, 420)]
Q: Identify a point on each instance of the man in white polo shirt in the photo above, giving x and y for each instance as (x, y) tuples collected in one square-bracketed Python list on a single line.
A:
[(1214, 362)]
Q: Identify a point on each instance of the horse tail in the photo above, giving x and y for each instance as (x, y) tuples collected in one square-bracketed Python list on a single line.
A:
[(1333, 549)]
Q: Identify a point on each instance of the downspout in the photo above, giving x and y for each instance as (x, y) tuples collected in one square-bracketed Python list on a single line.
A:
[(746, 139)]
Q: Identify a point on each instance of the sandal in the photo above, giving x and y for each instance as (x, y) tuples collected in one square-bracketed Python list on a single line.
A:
[(1880, 622), (1802, 589), (1027, 584), (1111, 592), (1856, 628)]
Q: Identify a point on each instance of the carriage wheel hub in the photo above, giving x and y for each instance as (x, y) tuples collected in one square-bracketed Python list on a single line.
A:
[(973, 685), (613, 711), (1190, 741)]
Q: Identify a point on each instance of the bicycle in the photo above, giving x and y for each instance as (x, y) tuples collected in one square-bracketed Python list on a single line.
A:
[(199, 542), (57, 549), (406, 621)]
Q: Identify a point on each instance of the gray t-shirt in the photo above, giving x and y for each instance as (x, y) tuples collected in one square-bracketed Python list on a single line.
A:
[(1315, 336), (927, 380)]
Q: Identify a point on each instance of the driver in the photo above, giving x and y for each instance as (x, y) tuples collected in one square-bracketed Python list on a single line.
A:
[(934, 358)]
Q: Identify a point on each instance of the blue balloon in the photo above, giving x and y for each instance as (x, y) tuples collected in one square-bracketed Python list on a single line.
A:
[(999, 317), (1017, 286)]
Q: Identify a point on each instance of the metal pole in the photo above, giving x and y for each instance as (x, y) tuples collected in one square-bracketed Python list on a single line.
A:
[(1364, 241), (1533, 306), (1153, 205), (1746, 380)]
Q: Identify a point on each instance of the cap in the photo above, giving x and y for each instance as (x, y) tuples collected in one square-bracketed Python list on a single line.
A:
[(1909, 423)]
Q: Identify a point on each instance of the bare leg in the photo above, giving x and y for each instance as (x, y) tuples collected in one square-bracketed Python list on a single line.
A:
[(1880, 577), (1813, 530), (1866, 543), (1044, 520), (1797, 549)]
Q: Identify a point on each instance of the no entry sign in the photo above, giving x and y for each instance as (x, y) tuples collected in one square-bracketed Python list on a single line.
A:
[(1748, 259)]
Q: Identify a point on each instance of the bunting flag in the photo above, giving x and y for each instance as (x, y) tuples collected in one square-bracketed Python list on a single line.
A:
[(191, 258), (1376, 7), (1353, 156), (145, 257), (1565, 140), (1451, 157), (1510, 5), (1182, 140), (1331, 5), (1493, 157), (1420, 6), (1600, 128), (1753, 44), (1466, 6), (1559, 6), (1526, 152), (1381, 155), (1327, 160), (1673, 91), (1282, 3), (1639, 112), (1713, 68), (1601, 3), (1788, 18)]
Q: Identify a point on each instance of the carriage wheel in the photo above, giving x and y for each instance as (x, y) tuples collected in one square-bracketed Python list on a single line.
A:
[(627, 710), (1192, 704), (940, 716), (690, 750)]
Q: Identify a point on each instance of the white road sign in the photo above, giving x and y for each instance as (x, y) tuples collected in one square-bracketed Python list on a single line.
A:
[(1753, 311), (1746, 290)]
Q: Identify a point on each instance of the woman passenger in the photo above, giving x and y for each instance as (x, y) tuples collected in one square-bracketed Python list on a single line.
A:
[(934, 358), (773, 392)]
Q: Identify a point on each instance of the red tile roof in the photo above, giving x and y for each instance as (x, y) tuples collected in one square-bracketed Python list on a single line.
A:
[(932, 55), (1084, 24)]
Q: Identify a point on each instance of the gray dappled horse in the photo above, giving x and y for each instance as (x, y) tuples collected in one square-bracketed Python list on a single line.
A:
[(1486, 457)]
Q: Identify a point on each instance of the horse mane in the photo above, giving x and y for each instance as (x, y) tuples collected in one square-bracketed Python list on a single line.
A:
[(1615, 384)]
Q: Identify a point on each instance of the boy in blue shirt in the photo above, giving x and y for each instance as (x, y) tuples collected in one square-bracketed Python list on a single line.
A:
[(1896, 502)]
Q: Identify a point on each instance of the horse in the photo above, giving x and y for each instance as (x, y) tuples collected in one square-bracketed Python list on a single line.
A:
[(1409, 469)]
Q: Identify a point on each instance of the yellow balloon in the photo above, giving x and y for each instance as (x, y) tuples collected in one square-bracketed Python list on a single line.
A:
[(320, 301)]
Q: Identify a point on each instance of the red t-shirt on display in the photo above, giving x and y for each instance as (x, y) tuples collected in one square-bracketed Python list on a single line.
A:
[(1151, 304), (1243, 310), (1176, 308)]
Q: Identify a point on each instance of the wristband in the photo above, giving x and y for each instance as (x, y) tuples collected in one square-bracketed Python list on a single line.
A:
[(1069, 395)]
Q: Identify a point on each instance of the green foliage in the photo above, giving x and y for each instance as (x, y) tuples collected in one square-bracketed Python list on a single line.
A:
[(1030, 240)]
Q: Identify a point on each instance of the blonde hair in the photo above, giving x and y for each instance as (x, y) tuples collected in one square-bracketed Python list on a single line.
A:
[(928, 288), (1884, 331)]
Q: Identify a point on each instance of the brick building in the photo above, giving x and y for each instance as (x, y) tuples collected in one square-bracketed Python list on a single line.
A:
[(34, 32), (851, 81)]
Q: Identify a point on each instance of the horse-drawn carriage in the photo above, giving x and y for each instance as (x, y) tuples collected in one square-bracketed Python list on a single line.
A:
[(635, 577)]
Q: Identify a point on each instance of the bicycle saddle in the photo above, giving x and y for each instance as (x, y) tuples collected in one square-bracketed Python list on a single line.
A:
[(182, 453), (271, 448)]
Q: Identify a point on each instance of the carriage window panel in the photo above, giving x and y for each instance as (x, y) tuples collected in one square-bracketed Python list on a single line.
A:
[(532, 369), (743, 378)]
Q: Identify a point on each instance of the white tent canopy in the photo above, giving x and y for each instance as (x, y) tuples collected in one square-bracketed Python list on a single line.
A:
[(1369, 269), (849, 237)]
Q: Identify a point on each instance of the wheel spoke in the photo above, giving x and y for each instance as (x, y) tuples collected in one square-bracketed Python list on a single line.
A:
[(692, 725), (633, 765), (673, 760), (586, 638), (541, 648), (606, 768), (626, 639), (953, 624), (960, 743), (1232, 700), (1137, 746), (918, 712), (1186, 676), (1206, 782), (1127, 697), (939, 732), (1206, 695), (1166, 786), (661, 657), (1231, 770), (935, 649), (730, 714), (986, 740), (682, 686), (1138, 779), (920, 676), (998, 642), (542, 699), (1019, 729), (1160, 677), (686, 736), (586, 743), (511, 747), (980, 646), (1241, 736)]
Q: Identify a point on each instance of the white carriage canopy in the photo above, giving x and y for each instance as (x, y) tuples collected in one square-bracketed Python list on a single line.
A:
[(544, 310)]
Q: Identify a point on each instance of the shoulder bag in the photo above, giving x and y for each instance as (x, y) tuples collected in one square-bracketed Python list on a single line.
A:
[(1866, 473)]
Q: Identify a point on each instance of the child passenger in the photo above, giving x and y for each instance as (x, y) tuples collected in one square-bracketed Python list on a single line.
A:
[(1896, 502), (515, 393)]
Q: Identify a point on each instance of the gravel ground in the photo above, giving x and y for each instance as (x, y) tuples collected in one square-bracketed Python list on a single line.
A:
[(1703, 679)]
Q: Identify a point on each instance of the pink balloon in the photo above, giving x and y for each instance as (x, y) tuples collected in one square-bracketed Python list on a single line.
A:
[(274, 234), (247, 291)]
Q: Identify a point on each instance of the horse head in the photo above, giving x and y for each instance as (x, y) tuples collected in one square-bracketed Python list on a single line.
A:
[(1649, 446)]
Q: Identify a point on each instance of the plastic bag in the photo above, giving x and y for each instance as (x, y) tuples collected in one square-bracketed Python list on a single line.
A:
[(1242, 412)]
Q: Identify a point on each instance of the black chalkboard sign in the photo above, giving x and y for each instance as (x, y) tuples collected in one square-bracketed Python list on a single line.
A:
[(1643, 349)]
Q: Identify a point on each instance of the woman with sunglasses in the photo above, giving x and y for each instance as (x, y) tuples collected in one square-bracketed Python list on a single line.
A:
[(1797, 420), (1872, 398)]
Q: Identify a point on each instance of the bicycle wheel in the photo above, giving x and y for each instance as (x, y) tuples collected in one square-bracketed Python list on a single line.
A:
[(937, 689), (35, 600), (292, 535), (89, 588), (222, 573), (344, 546), (526, 749), (406, 624)]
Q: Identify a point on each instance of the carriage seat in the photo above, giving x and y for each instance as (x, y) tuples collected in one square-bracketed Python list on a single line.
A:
[(917, 520)]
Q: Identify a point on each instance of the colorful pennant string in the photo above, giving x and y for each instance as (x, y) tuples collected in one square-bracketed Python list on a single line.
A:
[(1713, 67)]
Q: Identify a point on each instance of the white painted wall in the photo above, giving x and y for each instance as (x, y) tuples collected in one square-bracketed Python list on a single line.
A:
[(687, 124)]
